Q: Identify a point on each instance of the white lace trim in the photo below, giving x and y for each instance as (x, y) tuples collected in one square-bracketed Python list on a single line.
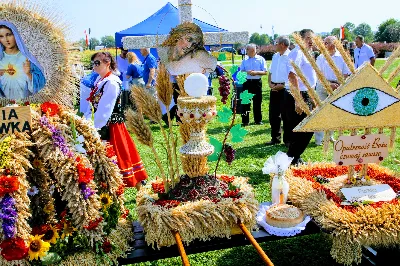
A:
[(291, 231)]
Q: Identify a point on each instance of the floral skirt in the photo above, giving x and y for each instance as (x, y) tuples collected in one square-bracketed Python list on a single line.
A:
[(129, 161)]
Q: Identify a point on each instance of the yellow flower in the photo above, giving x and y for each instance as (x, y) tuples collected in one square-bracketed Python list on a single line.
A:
[(51, 235), (68, 230), (48, 208), (37, 163), (37, 247), (105, 200)]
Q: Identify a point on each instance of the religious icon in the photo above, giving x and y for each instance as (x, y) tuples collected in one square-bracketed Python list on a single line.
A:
[(21, 75), (183, 51)]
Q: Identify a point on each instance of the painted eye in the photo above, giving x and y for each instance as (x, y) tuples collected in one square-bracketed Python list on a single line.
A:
[(365, 101)]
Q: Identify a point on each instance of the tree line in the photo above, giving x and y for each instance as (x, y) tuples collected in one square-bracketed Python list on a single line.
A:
[(388, 31), (106, 41)]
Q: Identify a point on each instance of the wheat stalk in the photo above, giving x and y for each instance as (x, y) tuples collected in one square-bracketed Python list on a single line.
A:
[(146, 103), (181, 81), (311, 59), (345, 55), (319, 43), (311, 91), (393, 74), (164, 86), (390, 60), (136, 124), (299, 99)]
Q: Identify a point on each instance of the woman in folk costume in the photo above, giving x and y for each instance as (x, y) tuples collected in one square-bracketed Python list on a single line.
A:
[(105, 99)]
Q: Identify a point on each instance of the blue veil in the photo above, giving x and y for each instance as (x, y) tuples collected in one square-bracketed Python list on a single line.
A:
[(36, 69)]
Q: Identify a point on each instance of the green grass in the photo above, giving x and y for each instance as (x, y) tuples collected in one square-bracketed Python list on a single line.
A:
[(251, 154)]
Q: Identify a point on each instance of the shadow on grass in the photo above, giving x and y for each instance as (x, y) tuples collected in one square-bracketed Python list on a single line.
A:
[(285, 252)]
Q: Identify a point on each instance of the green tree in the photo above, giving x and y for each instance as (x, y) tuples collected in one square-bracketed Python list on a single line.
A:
[(364, 30), (108, 41), (348, 35), (350, 26), (255, 38), (392, 32), (380, 35), (82, 43), (93, 42)]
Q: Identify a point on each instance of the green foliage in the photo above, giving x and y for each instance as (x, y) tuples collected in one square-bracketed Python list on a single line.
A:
[(380, 35), (258, 39), (348, 35), (364, 30), (349, 26), (238, 133), (217, 149), (392, 32), (93, 42), (224, 116), (111, 217), (245, 96), (108, 41)]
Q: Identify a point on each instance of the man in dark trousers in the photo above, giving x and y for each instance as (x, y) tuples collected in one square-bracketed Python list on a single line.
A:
[(278, 81), (255, 67), (294, 115)]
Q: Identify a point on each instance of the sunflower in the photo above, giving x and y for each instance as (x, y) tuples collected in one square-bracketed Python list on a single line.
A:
[(105, 200), (51, 235), (68, 230), (37, 247)]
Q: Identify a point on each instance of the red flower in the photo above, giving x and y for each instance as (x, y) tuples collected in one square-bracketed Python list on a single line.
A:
[(120, 190), (85, 174), (14, 249), (158, 187), (12, 101), (227, 179), (93, 224), (212, 190), (107, 247), (231, 193), (167, 203), (40, 230), (110, 151), (104, 185), (26, 103), (8, 185), (51, 109), (125, 214)]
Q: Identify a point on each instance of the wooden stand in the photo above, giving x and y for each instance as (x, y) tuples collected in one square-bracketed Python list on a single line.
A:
[(185, 260), (260, 251)]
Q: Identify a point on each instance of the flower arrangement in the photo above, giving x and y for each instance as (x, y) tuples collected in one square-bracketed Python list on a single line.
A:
[(58, 204), (315, 188)]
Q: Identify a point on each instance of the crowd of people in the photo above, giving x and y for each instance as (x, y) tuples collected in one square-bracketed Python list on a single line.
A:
[(102, 92)]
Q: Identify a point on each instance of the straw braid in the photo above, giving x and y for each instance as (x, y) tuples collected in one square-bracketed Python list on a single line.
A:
[(311, 91), (345, 55)]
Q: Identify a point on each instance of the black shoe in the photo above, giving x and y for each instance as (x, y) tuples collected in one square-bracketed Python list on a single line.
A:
[(270, 143), (258, 123), (287, 144), (143, 182), (297, 162), (245, 125)]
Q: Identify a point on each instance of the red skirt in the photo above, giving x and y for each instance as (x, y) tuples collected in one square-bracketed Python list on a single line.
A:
[(129, 161)]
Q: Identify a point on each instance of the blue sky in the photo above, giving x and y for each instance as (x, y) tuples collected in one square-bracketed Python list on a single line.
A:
[(106, 17)]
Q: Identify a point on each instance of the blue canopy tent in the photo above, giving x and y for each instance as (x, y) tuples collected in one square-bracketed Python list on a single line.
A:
[(161, 23)]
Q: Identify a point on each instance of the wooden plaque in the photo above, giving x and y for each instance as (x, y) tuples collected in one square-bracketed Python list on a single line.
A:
[(15, 119)]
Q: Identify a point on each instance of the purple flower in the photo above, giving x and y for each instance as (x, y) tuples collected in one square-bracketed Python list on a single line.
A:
[(212, 190), (8, 215), (193, 194), (58, 138), (86, 191)]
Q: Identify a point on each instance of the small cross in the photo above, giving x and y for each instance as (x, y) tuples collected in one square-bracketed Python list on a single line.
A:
[(185, 15)]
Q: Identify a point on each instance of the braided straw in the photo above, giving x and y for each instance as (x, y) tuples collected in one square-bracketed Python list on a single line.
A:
[(390, 60), (319, 43), (181, 81), (311, 59), (311, 91), (345, 55), (299, 100)]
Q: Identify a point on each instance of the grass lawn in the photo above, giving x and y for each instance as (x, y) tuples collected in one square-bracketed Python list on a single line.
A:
[(251, 154)]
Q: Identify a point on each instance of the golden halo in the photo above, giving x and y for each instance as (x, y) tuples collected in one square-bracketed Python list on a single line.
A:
[(43, 35)]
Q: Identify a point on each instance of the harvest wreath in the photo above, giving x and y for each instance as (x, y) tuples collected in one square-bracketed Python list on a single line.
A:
[(315, 189), (61, 193)]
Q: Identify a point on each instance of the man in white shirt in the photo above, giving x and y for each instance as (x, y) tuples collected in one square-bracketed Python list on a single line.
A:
[(363, 52), (255, 67), (122, 64), (294, 115), (278, 81), (330, 76)]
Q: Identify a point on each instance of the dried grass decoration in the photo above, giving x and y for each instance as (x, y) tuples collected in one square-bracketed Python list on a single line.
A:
[(60, 188), (42, 33), (196, 204), (315, 188)]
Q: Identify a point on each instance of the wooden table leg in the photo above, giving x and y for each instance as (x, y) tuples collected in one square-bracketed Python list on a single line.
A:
[(260, 251), (181, 249)]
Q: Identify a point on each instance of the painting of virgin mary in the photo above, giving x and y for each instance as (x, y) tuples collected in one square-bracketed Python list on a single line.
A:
[(20, 73)]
